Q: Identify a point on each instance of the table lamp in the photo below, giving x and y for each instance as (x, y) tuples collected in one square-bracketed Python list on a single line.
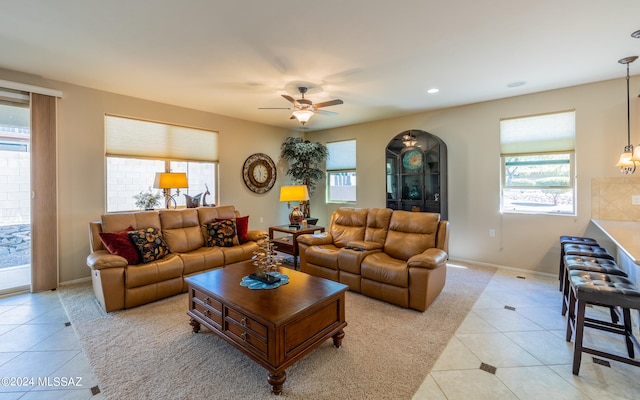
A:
[(294, 193), (171, 180)]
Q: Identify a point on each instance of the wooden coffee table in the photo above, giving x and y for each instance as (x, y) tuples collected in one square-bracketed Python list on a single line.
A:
[(273, 327)]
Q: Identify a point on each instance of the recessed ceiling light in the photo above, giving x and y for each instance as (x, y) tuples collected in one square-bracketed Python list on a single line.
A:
[(636, 34), (516, 84), (433, 90)]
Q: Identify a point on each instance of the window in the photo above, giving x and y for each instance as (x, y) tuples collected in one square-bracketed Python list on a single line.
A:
[(137, 149), (537, 154), (341, 172)]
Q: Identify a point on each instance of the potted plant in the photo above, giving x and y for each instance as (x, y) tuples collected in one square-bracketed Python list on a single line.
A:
[(147, 200), (305, 160)]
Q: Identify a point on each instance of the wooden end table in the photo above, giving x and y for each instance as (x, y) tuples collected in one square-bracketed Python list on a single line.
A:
[(273, 327), (289, 244)]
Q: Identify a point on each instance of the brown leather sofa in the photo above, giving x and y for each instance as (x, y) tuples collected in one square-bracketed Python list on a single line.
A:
[(118, 285), (395, 256)]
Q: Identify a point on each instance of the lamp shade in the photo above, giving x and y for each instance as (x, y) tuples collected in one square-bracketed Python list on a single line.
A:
[(294, 193), (303, 115), (170, 180)]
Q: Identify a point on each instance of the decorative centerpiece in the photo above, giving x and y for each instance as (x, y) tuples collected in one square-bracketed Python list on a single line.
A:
[(267, 261)]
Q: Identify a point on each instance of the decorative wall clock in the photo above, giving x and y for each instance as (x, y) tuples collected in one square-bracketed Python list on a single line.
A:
[(259, 173), (412, 160)]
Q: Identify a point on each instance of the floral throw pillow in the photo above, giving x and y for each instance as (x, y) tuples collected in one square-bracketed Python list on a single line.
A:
[(242, 227), (151, 246), (222, 233)]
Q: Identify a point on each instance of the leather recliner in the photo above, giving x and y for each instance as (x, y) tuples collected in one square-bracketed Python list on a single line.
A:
[(395, 256)]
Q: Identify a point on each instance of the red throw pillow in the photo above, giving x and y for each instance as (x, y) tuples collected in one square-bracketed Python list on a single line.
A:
[(242, 228), (120, 244)]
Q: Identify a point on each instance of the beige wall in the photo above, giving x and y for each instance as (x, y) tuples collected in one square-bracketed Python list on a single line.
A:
[(81, 166), (472, 137), (470, 132)]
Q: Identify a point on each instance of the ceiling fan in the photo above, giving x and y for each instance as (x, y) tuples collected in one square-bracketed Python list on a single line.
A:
[(304, 109)]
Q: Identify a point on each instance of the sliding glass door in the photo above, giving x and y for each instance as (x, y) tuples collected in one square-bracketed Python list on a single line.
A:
[(15, 192)]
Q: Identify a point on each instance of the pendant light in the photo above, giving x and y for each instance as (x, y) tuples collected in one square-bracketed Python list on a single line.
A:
[(628, 158)]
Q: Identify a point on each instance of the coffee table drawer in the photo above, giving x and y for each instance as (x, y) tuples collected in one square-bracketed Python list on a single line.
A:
[(244, 336), (207, 301), (207, 308), (247, 322)]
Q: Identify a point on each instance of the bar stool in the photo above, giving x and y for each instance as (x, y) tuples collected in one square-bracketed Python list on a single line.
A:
[(596, 288), (590, 264), (564, 240), (587, 250)]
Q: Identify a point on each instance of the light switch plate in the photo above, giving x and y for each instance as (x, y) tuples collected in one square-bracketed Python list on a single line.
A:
[(635, 200)]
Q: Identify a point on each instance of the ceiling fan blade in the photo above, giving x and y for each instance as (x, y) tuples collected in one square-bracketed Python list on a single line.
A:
[(328, 103), (291, 99), (325, 112)]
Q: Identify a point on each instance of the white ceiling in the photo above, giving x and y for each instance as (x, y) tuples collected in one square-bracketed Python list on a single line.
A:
[(231, 57)]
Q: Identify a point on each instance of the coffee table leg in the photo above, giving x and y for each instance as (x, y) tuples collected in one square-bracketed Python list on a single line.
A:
[(276, 381), (337, 338), (195, 324)]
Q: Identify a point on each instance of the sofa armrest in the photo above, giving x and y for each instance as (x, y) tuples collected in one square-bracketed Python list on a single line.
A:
[(363, 245), (102, 259), (430, 258), (315, 239), (256, 235)]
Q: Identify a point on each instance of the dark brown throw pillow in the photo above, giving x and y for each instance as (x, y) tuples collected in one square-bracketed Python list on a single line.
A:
[(222, 233), (151, 246), (120, 244)]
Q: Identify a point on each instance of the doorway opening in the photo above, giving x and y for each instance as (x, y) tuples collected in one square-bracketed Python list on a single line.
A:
[(15, 192)]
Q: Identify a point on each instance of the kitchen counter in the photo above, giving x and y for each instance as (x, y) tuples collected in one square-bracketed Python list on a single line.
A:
[(625, 235)]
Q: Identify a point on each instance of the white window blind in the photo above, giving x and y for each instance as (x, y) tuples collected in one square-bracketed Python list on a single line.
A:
[(138, 138), (538, 133), (342, 155)]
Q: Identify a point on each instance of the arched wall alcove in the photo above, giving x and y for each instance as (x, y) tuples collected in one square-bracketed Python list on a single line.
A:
[(416, 173)]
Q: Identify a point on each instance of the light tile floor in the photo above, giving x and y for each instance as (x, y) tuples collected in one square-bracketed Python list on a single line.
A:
[(40, 358), (525, 345)]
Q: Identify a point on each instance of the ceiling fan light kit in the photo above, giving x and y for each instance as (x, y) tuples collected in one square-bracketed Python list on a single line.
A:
[(303, 115), (304, 109)]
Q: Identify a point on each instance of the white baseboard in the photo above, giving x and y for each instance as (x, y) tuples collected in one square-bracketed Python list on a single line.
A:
[(74, 281), (503, 267)]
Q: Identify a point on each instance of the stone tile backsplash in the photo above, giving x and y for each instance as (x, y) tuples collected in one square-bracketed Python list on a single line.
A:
[(611, 198)]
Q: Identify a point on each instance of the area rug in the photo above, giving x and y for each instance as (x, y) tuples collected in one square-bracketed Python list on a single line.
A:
[(150, 352)]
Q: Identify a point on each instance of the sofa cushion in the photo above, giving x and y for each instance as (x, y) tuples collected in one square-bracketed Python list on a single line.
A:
[(153, 272), (181, 230), (210, 214), (348, 225), (325, 256), (115, 222), (150, 244), (411, 233), (380, 267), (377, 225), (222, 233), (119, 243)]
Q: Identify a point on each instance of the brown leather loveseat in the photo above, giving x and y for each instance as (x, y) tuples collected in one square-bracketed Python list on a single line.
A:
[(187, 249), (395, 256)]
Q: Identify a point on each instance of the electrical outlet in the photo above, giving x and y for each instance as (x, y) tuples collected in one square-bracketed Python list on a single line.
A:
[(492, 233), (635, 200), (261, 220)]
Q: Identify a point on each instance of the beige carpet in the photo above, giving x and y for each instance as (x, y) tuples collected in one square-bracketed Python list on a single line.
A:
[(150, 352)]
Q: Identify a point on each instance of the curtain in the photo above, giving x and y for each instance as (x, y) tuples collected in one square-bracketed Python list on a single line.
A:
[(44, 201)]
